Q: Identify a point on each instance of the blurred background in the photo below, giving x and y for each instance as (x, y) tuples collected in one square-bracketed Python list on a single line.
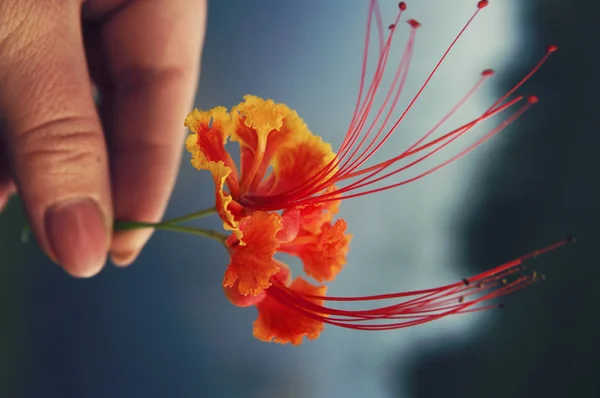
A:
[(162, 327)]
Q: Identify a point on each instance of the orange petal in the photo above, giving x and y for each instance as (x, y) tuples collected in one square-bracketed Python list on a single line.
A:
[(223, 200), (239, 300), (208, 138), (280, 323), (290, 221), (261, 127), (323, 255), (284, 276), (313, 216), (297, 163), (252, 265), (259, 116)]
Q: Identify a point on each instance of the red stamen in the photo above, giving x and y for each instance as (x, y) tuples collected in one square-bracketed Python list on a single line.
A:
[(353, 134), (400, 80), (419, 306), (333, 195), (485, 74), (361, 142), (414, 23)]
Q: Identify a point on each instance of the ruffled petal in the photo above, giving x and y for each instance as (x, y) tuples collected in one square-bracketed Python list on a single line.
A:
[(283, 276), (252, 265), (324, 254), (223, 200), (207, 141), (262, 127), (283, 324), (297, 163), (259, 116)]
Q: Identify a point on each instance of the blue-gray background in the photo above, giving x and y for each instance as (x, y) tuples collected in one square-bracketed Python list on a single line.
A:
[(163, 328)]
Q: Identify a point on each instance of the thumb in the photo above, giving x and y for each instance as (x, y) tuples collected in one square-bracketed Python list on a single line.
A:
[(52, 133)]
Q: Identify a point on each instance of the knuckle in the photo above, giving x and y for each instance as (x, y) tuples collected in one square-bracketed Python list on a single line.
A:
[(135, 79), (62, 146)]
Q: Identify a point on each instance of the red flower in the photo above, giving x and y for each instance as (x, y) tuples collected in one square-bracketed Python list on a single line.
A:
[(289, 184)]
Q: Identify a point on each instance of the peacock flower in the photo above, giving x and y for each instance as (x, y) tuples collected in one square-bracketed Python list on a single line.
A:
[(283, 195)]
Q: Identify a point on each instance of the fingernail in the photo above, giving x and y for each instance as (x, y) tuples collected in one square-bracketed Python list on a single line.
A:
[(122, 259), (5, 195), (78, 236)]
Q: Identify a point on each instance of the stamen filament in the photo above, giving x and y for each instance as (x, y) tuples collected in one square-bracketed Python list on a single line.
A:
[(425, 306)]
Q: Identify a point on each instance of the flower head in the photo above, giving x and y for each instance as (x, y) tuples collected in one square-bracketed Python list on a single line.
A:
[(286, 189)]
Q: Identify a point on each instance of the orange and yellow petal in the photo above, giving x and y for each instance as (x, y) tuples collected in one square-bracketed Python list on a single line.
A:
[(254, 118), (323, 255), (262, 127), (208, 138), (223, 200), (298, 164), (281, 323), (252, 265)]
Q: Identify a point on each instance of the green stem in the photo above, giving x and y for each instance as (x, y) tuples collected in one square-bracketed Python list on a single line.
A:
[(167, 226), (191, 216)]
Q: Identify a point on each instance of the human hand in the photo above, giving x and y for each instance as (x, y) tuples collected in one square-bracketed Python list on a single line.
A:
[(56, 147)]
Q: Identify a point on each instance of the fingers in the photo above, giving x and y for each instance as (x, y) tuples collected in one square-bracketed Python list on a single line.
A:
[(152, 51), (7, 187), (52, 134)]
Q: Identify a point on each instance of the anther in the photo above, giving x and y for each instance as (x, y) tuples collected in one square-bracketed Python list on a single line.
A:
[(552, 48), (533, 99), (482, 4), (461, 299), (466, 282), (392, 26), (487, 72), (402, 5), (414, 23), (571, 239)]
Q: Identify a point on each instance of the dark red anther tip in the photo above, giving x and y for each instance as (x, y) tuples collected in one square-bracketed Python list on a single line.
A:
[(392, 26), (571, 239), (552, 48), (533, 99), (402, 5), (482, 4), (414, 23), (487, 72)]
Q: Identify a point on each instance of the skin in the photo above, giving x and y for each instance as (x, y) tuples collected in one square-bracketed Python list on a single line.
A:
[(75, 166)]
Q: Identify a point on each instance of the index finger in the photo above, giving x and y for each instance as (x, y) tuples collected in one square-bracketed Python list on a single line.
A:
[(152, 49)]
